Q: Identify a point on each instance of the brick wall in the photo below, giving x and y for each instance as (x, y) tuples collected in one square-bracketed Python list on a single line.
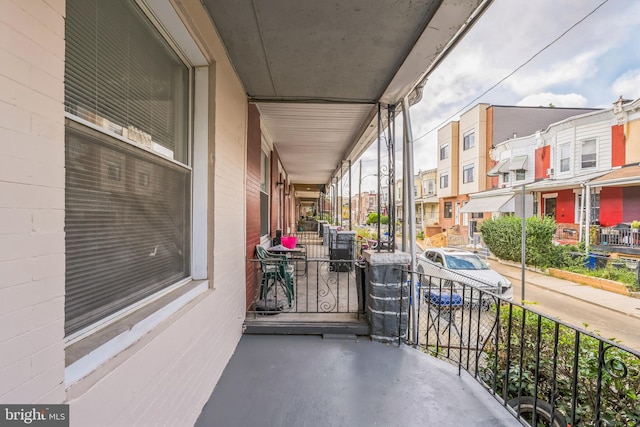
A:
[(32, 259)]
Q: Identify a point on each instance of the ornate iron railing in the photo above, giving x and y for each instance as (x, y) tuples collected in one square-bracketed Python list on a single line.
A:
[(545, 371)]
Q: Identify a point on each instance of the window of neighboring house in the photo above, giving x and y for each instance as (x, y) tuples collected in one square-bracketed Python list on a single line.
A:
[(431, 187), (477, 215), (424, 188), (589, 154), (565, 157), (265, 185), (444, 151), (448, 212), (415, 190), (444, 180), (505, 177), (127, 175), (595, 207), (520, 174), (467, 174), (469, 141)]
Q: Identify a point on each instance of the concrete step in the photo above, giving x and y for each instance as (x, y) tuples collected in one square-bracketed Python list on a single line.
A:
[(301, 327)]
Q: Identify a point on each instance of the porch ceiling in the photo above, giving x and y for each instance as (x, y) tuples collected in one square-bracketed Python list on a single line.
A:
[(316, 69)]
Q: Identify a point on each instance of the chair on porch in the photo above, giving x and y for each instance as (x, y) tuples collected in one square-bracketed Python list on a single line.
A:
[(443, 306), (275, 271)]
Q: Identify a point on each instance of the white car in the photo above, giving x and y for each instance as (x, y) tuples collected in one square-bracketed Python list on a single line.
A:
[(450, 266)]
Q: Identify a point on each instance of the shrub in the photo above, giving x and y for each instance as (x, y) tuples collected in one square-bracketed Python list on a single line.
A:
[(503, 236), (373, 219), (602, 369)]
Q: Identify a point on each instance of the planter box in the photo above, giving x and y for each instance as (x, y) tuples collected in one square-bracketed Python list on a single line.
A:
[(594, 282)]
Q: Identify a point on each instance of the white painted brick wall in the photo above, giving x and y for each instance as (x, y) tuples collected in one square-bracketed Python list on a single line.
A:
[(32, 201)]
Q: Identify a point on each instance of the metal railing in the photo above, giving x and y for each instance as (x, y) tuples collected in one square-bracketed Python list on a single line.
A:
[(618, 236), (544, 371), (307, 286)]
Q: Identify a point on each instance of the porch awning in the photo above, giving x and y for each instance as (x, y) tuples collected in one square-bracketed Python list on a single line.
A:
[(502, 203), (500, 168), (518, 163)]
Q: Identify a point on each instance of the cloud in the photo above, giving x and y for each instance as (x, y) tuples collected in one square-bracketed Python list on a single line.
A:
[(544, 99), (627, 84)]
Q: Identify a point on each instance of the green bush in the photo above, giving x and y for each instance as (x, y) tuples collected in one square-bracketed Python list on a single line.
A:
[(503, 236), (600, 366), (373, 219)]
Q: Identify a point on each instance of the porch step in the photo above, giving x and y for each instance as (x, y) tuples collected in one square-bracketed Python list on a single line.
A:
[(289, 327)]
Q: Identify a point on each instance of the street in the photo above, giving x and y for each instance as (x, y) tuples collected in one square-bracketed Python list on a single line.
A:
[(603, 321)]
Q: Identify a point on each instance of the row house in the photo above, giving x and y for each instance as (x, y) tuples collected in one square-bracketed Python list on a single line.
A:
[(464, 158), (425, 199), (581, 171), (362, 205)]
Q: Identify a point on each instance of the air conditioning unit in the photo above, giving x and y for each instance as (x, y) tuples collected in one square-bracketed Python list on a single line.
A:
[(550, 172)]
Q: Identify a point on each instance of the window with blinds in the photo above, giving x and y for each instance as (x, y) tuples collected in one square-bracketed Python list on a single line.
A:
[(127, 218)]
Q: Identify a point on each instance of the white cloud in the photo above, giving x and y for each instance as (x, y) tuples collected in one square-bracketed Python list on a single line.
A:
[(627, 85), (558, 100)]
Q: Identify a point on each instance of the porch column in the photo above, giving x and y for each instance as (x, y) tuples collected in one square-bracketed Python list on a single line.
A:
[(387, 295)]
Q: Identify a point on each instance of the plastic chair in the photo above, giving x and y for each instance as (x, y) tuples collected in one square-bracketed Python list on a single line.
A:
[(275, 270)]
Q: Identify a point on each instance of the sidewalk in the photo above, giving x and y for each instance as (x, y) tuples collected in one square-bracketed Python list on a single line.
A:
[(612, 301)]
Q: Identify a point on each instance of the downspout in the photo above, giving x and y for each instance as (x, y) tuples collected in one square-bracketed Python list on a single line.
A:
[(587, 224), (582, 204), (410, 203)]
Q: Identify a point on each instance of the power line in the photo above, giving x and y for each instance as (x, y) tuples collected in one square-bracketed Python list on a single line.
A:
[(512, 72)]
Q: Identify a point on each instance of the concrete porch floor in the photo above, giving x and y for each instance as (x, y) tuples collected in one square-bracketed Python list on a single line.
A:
[(285, 380)]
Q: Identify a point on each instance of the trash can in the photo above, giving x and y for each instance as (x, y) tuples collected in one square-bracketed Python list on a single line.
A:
[(596, 260)]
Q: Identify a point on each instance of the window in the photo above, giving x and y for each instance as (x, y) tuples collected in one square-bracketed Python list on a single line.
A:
[(127, 209), (467, 174), (415, 190), (477, 215), (265, 185), (520, 174), (469, 141), (448, 212), (589, 154), (424, 188), (505, 177), (595, 207), (565, 157), (431, 187), (444, 180), (444, 151)]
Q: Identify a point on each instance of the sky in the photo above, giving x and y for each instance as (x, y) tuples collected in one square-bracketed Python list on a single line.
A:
[(592, 65)]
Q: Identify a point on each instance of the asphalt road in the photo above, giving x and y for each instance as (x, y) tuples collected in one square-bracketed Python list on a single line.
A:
[(602, 321)]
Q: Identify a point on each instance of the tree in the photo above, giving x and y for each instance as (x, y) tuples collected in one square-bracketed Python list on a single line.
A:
[(373, 219)]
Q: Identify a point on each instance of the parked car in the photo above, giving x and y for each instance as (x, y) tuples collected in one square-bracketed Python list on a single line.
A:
[(453, 267)]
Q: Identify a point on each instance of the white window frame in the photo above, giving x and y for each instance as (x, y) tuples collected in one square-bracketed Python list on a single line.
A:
[(444, 151), (595, 153), (564, 154), (444, 176), (465, 172), (469, 140)]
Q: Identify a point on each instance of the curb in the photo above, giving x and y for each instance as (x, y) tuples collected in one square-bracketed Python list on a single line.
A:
[(557, 291)]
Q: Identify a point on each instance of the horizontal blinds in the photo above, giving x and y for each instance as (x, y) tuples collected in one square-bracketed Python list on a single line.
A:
[(121, 75), (127, 226)]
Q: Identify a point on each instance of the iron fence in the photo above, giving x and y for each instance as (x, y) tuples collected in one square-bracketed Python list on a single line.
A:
[(546, 372), (306, 286)]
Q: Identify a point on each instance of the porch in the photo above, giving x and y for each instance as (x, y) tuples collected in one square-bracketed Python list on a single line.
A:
[(315, 381)]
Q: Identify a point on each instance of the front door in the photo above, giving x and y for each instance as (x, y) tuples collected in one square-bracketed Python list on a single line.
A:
[(550, 207)]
